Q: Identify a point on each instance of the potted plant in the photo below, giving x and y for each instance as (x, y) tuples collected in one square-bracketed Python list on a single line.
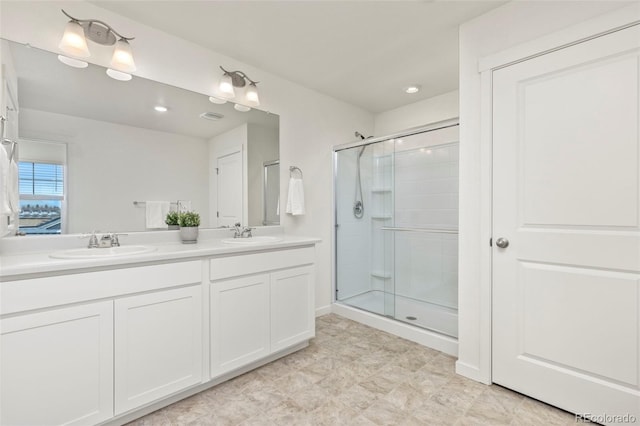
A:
[(172, 220), (189, 222)]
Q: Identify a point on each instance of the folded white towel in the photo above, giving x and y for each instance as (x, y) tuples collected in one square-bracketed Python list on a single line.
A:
[(295, 199), (156, 214), (5, 203)]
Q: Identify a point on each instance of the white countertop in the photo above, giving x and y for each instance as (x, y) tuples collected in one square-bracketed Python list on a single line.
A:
[(33, 264)]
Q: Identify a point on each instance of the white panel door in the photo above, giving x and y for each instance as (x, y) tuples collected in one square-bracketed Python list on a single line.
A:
[(566, 290), (230, 186), (57, 366), (292, 307), (239, 322), (158, 345)]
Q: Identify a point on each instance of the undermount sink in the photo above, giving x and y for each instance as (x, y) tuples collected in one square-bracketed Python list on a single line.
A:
[(252, 240), (99, 253)]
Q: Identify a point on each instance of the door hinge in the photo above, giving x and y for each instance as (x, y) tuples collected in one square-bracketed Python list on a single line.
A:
[(217, 171), (490, 242), (217, 214)]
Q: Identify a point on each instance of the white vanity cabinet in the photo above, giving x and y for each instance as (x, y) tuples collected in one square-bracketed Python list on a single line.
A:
[(57, 366), (158, 345), (239, 322), (89, 346), (268, 309), (292, 307)]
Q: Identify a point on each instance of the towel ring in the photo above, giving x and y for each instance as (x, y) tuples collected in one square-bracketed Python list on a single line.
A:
[(293, 169)]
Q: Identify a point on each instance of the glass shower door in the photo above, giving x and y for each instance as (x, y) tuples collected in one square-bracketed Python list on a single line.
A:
[(425, 230), (364, 206)]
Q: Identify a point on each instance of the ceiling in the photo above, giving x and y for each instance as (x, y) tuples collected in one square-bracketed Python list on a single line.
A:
[(362, 52), (45, 84)]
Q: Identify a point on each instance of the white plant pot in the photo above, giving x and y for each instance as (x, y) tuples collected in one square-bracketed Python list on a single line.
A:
[(189, 235)]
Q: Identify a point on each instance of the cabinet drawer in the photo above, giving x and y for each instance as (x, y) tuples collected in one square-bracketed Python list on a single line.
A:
[(36, 293), (235, 265)]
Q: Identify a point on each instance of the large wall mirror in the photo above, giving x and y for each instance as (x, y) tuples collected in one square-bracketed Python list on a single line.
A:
[(93, 151)]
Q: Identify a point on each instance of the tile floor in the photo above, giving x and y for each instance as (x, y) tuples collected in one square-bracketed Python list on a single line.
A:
[(352, 374)]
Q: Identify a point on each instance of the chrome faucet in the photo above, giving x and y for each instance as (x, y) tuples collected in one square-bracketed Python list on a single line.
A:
[(240, 232), (93, 240), (105, 241)]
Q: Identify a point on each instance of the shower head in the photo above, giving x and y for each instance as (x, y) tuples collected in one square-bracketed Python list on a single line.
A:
[(359, 135)]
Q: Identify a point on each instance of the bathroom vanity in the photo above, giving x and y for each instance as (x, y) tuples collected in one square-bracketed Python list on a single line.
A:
[(106, 340)]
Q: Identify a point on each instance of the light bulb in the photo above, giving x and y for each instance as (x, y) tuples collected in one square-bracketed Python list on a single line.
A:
[(226, 86), (252, 95), (122, 59), (241, 108), (73, 41)]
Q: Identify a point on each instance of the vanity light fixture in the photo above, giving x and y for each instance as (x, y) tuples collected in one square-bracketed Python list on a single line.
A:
[(74, 43), (414, 88), (232, 80)]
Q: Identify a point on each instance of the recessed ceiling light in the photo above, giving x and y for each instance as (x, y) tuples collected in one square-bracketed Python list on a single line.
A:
[(218, 101), (414, 88), (160, 108)]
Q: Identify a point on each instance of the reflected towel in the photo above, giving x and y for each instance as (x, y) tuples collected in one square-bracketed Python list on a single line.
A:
[(5, 204), (12, 192), (295, 199), (156, 214)]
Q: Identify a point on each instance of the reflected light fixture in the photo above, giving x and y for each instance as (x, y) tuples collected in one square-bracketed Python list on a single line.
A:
[(74, 45), (232, 80)]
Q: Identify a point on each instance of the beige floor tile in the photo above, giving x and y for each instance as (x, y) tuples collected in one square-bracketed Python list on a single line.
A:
[(351, 374)]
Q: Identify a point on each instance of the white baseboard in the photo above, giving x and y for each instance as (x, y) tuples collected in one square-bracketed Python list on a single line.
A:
[(424, 337), (323, 310), (471, 372)]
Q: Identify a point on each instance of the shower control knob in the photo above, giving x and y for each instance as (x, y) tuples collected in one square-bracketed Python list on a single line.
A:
[(502, 242)]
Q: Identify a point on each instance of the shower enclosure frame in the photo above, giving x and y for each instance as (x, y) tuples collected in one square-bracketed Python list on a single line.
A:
[(420, 335)]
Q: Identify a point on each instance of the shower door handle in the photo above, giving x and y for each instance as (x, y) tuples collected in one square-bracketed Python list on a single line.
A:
[(502, 242)]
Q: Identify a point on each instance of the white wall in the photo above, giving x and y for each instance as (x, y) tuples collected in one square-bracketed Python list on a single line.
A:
[(310, 123), (437, 108), (108, 168), (507, 26)]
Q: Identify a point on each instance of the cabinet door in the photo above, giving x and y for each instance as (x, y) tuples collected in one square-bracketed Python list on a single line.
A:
[(57, 366), (292, 307), (158, 345), (239, 322)]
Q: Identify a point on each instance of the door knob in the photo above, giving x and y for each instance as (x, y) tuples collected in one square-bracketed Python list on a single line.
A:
[(502, 242)]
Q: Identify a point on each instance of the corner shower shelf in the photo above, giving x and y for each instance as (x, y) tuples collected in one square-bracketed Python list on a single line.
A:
[(379, 217), (381, 274)]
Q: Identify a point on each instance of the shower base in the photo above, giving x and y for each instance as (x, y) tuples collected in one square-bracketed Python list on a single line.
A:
[(411, 311)]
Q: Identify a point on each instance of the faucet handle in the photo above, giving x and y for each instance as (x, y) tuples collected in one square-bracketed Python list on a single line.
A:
[(93, 239), (115, 242)]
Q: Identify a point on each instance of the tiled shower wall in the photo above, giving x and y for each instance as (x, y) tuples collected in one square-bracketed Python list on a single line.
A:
[(426, 197)]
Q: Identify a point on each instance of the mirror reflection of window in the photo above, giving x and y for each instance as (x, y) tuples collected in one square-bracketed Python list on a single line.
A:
[(42, 188)]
